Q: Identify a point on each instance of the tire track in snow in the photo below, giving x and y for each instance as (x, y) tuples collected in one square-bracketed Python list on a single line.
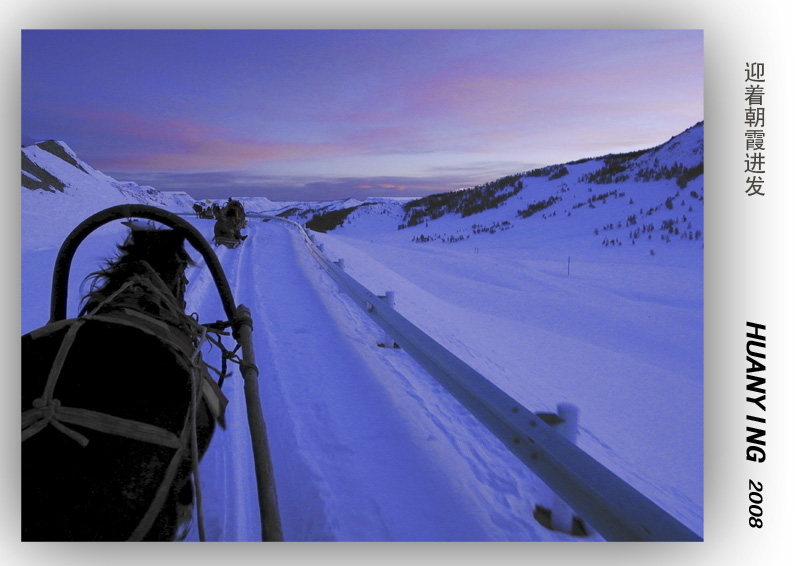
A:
[(355, 431), (461, 446), (226, 472), (362, 456), (293, 468)]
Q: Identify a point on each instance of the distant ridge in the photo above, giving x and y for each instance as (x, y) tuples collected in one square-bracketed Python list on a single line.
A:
[(652, 196), (58, 184), (51, 166)]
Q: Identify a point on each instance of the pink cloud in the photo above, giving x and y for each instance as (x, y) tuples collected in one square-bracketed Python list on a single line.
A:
[(182, 144), (513, 102)]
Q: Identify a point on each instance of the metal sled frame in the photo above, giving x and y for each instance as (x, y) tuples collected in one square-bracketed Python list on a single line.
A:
[(230, 243)]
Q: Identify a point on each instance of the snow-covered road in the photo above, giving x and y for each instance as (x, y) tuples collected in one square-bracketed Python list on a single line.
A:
[(365, 445)]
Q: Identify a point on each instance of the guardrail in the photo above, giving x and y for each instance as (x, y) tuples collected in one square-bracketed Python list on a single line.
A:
[(616, 510)]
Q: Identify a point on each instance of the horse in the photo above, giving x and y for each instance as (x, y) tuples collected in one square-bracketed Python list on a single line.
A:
[(216, 211), (118, 406)]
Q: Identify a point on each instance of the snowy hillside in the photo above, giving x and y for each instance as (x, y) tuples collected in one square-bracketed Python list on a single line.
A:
[(56, 183), (365, 444), (646, 199)]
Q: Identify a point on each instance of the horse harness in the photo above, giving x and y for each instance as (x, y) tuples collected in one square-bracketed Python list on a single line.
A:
[(184, 337)]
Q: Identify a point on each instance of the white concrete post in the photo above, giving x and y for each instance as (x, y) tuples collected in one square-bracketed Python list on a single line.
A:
[(569, 413), (562, 514), (388, 341), (341, 262)]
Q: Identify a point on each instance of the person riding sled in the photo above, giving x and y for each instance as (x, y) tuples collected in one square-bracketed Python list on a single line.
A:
[(227, 227)]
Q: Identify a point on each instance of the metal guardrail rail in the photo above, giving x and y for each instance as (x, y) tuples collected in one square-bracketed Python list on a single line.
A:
[(611, 506)]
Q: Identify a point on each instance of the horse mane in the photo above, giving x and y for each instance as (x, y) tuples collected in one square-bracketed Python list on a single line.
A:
[(145, 253)]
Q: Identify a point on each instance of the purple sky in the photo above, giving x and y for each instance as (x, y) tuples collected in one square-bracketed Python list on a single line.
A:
[(302, 115)]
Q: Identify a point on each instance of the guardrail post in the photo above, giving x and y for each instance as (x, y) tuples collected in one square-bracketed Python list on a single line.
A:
[(388, 341), (340, 263), (560, 517)]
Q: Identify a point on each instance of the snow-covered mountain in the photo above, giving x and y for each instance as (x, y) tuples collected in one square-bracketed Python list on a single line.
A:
[(650, 198), (56, 182)]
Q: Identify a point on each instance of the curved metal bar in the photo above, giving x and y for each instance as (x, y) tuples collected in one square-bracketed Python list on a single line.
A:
[(271, 527), (59, 292)]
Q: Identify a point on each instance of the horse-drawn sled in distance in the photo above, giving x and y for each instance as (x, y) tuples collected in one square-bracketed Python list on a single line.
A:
[(230, 221), (208, 212), (118, 405)]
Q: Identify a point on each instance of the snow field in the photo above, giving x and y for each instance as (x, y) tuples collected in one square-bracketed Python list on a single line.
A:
[(364, 443), (617, 338)]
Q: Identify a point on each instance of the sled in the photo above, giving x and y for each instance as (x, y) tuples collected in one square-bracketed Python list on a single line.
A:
[(238, 317), (228, 242)]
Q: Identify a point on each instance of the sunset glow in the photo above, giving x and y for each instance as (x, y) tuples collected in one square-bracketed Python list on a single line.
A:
[(320, 114)]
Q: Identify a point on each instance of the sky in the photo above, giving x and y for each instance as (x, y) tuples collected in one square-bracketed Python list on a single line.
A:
[(329, 114)]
